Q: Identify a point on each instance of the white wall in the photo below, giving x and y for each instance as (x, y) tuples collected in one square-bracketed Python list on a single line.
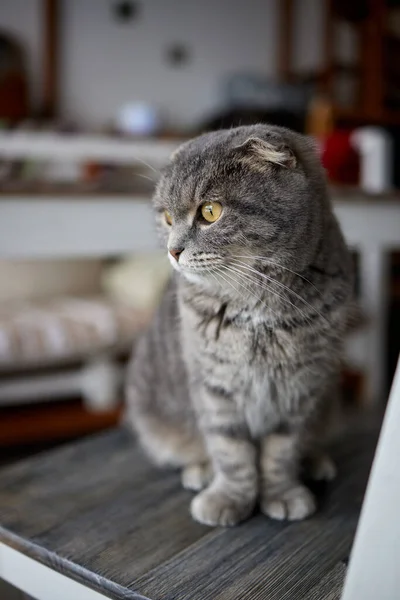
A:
[(308, 34), (22, 18), (104, 63)]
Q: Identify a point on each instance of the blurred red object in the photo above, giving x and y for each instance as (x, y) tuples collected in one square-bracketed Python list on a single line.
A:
[(14, 99), (340, 159)]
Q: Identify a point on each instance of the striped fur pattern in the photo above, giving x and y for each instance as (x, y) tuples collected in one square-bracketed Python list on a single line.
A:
[(237, 377)]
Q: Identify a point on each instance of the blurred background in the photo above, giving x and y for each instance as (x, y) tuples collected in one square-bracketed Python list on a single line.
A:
[(94, 96)]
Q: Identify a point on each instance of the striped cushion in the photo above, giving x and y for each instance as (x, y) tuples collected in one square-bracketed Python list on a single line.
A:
[(64, 328)]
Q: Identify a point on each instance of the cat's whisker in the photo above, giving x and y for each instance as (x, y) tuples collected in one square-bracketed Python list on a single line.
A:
[(230, 284), (280, 284), (146, 177), (210, 272), (275, 264), (267, 288), (268, 278), (231, 272), (249, 290), (254, 280), (284, 298), (146, 164), (241, 295), (233, 278)]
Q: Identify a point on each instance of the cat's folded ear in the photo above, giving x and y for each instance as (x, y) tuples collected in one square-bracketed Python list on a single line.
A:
[(258, 153)]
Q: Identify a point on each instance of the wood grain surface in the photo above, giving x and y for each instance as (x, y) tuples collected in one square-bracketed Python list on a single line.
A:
[(99, 513)]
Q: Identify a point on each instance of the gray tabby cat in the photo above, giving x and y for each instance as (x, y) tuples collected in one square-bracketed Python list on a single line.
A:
[(235, 380)]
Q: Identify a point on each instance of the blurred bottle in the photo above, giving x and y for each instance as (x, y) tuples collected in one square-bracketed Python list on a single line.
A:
[(375, 146), (138, 119), (320, 120)]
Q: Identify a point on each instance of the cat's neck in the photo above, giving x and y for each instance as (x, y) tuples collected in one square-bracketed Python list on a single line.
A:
[(240, 305)]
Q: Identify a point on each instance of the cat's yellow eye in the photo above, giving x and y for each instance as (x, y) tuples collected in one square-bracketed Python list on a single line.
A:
[(211, 211), (167, 217)]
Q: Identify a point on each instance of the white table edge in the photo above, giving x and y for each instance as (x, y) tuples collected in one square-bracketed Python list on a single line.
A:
[(40, 581), (375, 558)]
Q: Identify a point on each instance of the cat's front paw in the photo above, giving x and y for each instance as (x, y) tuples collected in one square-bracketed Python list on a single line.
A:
[(214, 507), (294, 503)]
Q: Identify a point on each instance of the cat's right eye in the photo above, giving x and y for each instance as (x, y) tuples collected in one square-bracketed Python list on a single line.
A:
[(168, 218), (211, 211)]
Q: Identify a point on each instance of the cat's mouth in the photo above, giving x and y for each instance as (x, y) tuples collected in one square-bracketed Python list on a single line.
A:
[(197, 269), (195, 264)]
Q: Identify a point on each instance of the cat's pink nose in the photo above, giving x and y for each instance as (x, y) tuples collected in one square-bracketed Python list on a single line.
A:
[(176, 252)]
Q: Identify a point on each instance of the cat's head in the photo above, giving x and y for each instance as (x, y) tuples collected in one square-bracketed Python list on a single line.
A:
[(236, 195)]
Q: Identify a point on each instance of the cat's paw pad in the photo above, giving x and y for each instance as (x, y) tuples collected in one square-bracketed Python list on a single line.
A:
[(294, 504), (322, 468), (213, 508), (196, 477)]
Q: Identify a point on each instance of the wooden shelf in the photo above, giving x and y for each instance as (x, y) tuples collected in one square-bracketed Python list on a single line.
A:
[(374, 70), (52, 422), (358, 117)]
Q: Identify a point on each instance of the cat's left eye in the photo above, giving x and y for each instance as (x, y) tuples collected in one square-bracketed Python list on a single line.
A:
[(167, 217), (211, 211)]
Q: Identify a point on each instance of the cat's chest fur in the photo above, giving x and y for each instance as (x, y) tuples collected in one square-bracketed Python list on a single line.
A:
[(243, 340), (246, 356)]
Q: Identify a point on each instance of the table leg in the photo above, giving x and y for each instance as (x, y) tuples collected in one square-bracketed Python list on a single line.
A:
[(374, 563), (374, 292), (39, 581)]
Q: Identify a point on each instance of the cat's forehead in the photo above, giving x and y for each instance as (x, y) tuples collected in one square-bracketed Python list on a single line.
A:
[(192, 178), (210, 157), (233, 164)]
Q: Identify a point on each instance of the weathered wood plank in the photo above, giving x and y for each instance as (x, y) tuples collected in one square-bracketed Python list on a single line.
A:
[(262, 559), (99, 513)]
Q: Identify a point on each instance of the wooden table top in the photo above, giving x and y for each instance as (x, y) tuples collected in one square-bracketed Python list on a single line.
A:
[(97, 512)]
